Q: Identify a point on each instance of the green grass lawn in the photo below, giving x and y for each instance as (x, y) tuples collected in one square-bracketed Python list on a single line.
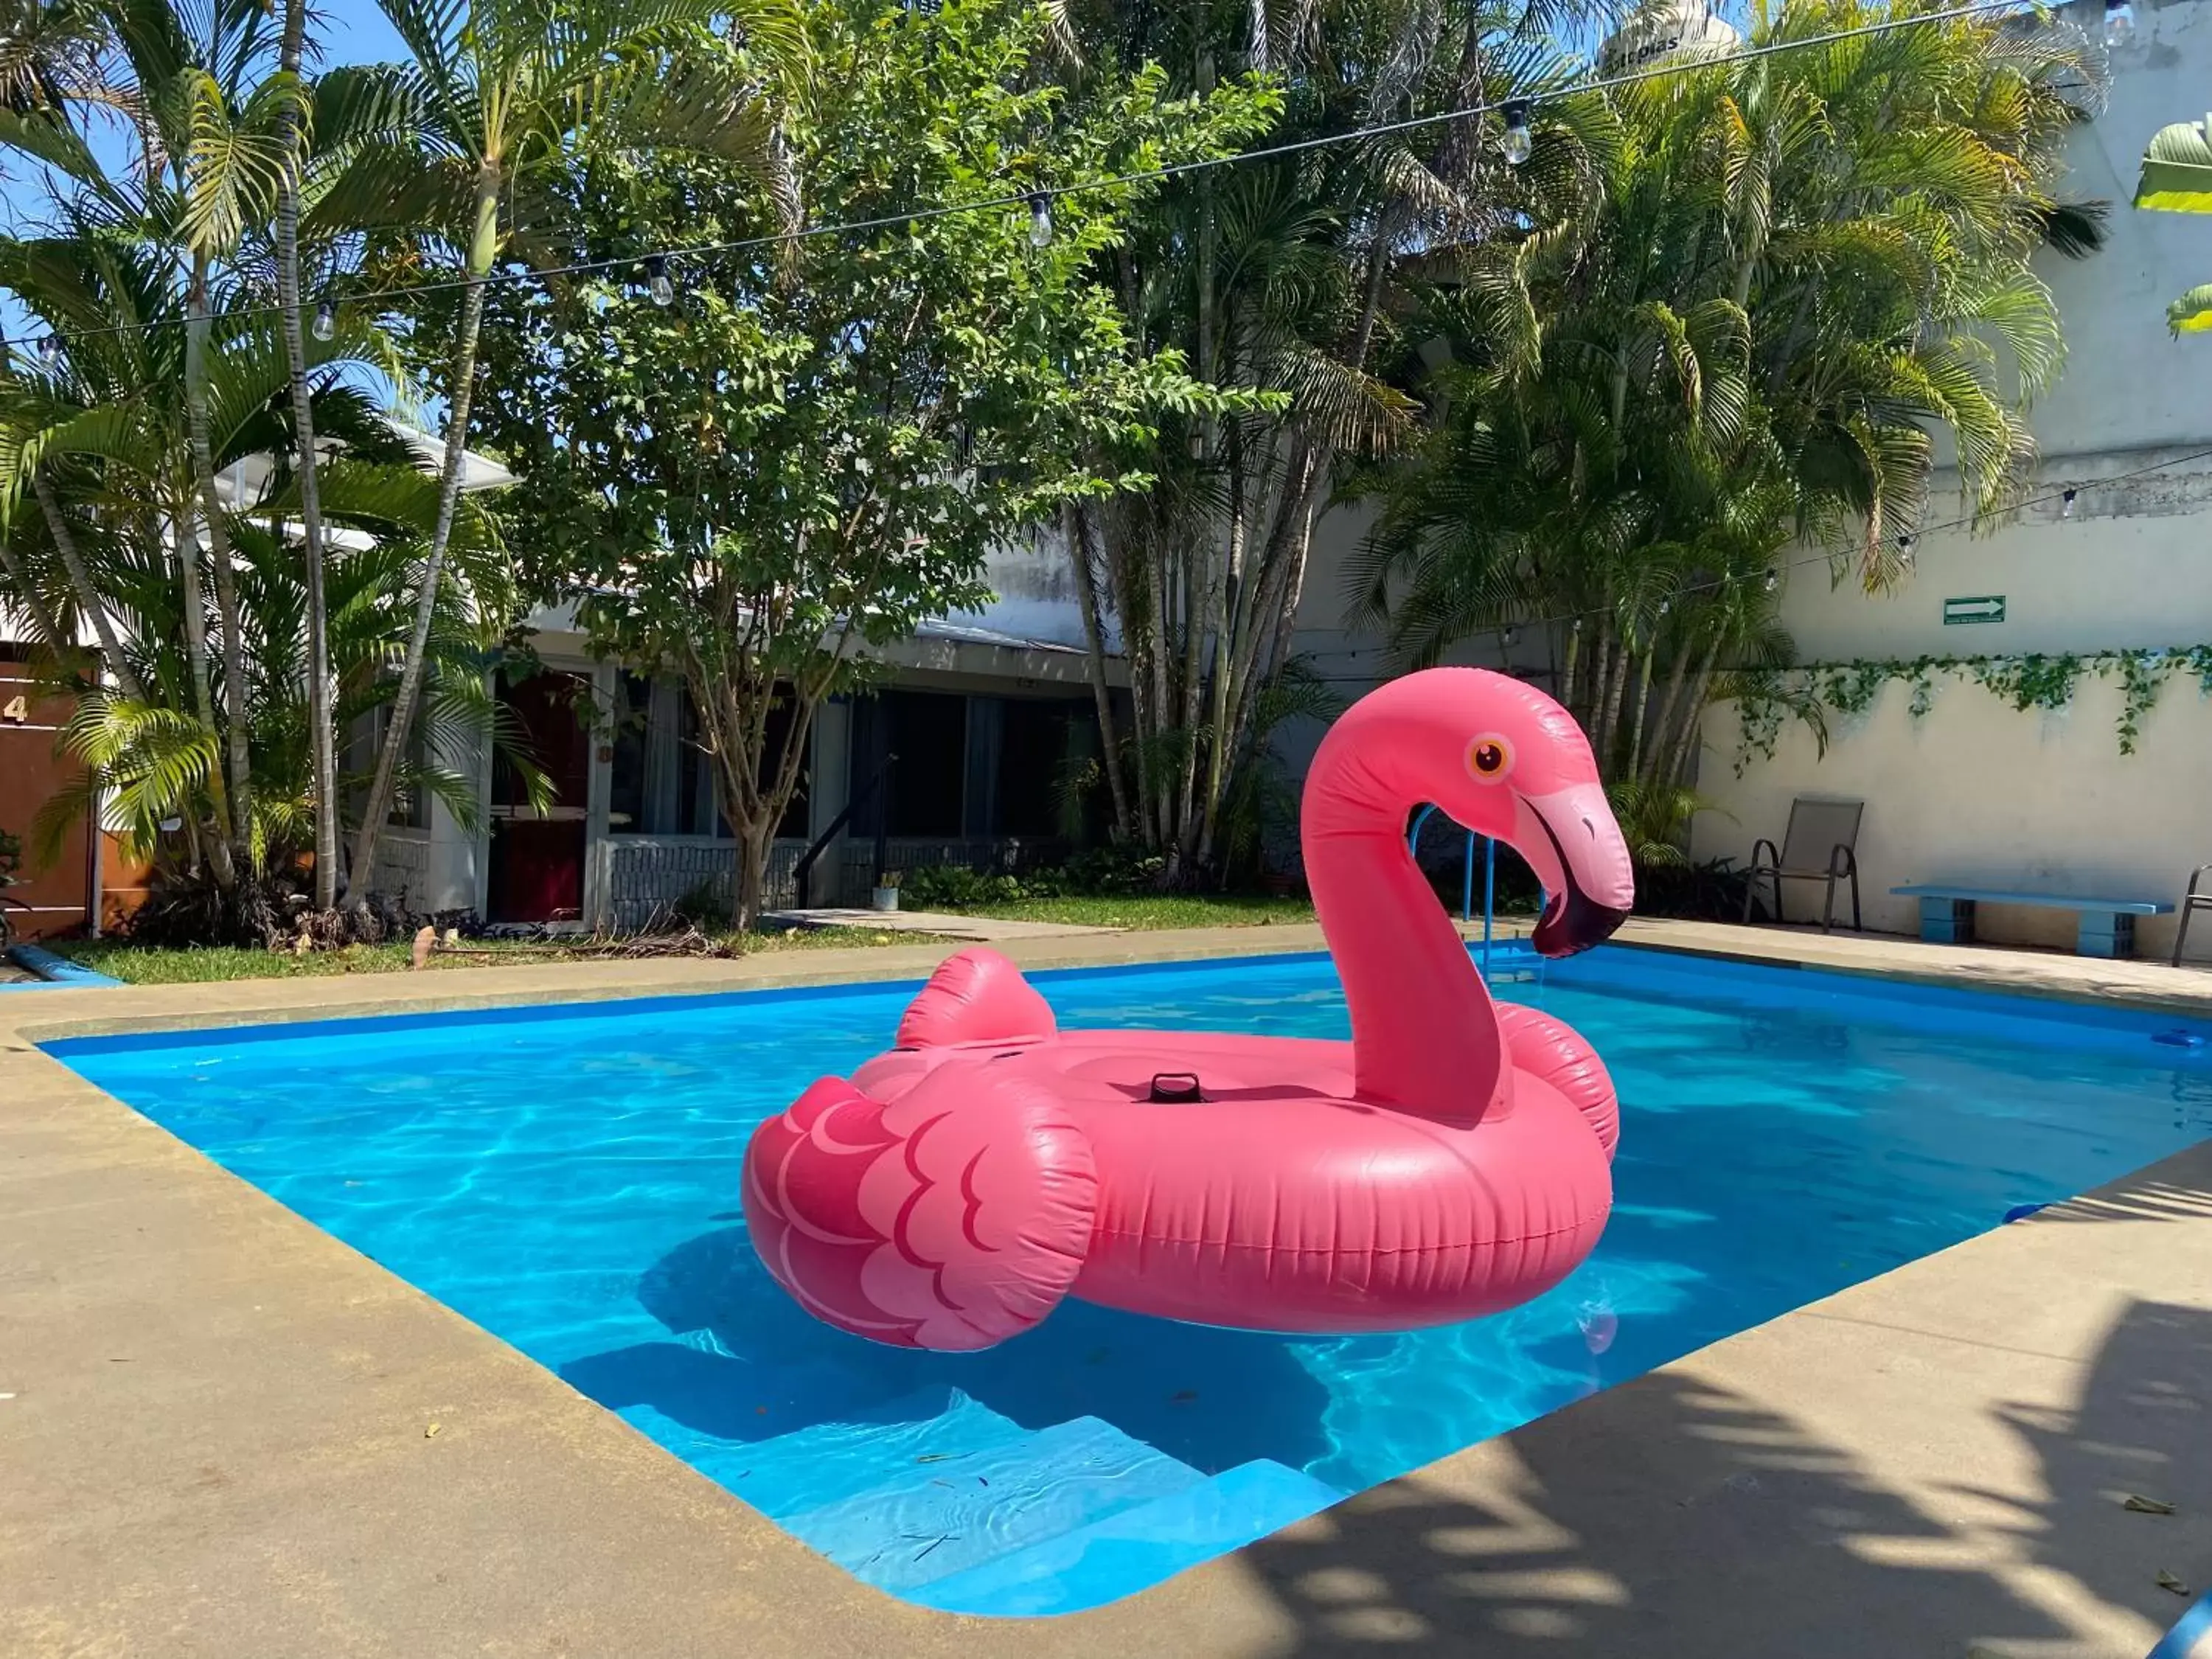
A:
[(1153, 911), (139, 964)]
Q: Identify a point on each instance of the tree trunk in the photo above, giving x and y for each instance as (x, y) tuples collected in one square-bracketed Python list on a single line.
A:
[(483, 248), (1568, 663), (748, 894), (195, 608), (1601, 671), (1662, 730), (1685, 742), (291, 139), (28, 596), (238, 749), (1609, 723), (1640, 712), (88, 602), (1075, 525), (186, 551)]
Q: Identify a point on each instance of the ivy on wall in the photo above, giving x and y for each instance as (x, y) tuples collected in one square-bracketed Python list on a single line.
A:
[(2038, 680)]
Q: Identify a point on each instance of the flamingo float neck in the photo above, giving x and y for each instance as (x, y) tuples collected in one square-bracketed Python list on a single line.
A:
[(1504, 760), (1424, 1036)]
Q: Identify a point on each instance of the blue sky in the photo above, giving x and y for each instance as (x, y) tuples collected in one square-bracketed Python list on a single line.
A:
[(344, 31)]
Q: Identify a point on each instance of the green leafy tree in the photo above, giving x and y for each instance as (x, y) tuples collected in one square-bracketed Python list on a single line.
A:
[(1288, 274), (811, 450), (461, 141), (1735, 322)]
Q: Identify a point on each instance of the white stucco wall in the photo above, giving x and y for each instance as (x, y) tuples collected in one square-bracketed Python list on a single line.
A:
[(1978, 792)]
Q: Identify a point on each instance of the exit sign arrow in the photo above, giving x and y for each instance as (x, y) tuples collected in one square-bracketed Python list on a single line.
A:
[(1974, 608)]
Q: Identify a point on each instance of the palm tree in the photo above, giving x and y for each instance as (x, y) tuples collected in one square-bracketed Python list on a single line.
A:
[(464, 135), (1284, 282), (1788, 273)]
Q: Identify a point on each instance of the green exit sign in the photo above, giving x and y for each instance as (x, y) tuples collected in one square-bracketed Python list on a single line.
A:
[(1975, 608)]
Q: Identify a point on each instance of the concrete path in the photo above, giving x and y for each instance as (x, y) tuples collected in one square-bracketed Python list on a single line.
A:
[(942, 924), (215, 1429)]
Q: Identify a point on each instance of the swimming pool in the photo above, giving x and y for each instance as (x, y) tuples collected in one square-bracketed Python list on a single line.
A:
[(568, 1178)]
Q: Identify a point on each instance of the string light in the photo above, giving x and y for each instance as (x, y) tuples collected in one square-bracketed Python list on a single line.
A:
[(2066, 511), (325, 326), (50, 349), (1511, 637), (1519, 143), (1040, 219), (1773, 580), (2119, 22), (658, 282)]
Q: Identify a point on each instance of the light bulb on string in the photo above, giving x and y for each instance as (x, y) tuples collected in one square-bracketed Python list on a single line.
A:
[(1905, 542), (658, 282), (50, 349), (1511, 637), (1772, 580), (1040, 219), (325, 325), (1519, 143), (1665, 605), (2119, 22), (2066, 502)]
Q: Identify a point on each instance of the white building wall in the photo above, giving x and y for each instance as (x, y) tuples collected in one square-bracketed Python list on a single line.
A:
[(1976, 790)]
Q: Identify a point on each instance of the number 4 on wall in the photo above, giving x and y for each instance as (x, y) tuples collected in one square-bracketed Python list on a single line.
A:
[(17, 708)]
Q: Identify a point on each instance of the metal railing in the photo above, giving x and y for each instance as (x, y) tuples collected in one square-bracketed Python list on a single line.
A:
[(1467, 880), (642, 877)]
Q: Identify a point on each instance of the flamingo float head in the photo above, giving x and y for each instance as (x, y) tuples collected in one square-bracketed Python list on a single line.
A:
[(1500, 758)]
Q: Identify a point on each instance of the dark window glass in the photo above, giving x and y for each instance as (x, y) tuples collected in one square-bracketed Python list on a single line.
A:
[(628, 808), (928, 733)]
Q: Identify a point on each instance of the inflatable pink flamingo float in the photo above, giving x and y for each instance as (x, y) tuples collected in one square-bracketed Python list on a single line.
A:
[(1451, 1160)]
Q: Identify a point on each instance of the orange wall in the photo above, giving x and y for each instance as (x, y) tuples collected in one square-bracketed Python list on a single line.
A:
[(30, 774)]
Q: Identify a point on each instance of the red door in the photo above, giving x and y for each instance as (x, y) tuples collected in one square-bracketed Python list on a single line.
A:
[(538, 852)]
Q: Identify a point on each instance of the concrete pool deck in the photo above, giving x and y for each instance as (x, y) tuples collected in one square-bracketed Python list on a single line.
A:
[(222, 1433)]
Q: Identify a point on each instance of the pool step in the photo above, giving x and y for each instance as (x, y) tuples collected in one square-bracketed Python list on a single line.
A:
[(1131, 1549), (960, 1512), (818, 1466)]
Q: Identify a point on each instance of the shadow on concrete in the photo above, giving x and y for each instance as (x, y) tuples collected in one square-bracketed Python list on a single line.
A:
[(1666, 1520), (2143, 1428), (1212, 1398), (1671, 1519)]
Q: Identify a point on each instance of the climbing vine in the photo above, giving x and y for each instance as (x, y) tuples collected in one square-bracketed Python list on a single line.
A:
[(2038, 680)]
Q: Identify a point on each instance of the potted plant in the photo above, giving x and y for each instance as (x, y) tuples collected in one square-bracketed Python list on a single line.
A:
[(885, 894)]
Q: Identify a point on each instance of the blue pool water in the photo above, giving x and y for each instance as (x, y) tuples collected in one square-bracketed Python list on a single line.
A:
[(569, 1178)]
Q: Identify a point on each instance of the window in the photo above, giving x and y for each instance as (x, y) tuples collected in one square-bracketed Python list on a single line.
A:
[(1039, 750), (928, 733), (630, 796)]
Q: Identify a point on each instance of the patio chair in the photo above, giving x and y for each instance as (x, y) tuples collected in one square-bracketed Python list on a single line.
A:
[(2191, 902), (1820, 845)]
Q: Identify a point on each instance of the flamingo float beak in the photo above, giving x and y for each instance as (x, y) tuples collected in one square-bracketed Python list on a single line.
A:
[(1582, 860)]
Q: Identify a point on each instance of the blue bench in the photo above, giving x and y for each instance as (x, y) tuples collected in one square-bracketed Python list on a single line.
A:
[(2108, 925)]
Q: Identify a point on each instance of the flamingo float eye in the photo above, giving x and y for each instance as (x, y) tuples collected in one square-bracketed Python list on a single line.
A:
[(1489, 758)]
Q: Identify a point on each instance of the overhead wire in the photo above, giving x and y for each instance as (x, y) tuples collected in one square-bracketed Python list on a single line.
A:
[(1027, 196)]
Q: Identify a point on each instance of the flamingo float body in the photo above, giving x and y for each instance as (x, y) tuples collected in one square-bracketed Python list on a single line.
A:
[(1452, 1160)]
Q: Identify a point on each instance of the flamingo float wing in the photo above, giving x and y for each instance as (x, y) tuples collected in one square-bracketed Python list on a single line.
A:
[(951, 1218)]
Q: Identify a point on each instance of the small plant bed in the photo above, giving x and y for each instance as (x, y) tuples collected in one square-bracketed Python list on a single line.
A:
[(145, 964)]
